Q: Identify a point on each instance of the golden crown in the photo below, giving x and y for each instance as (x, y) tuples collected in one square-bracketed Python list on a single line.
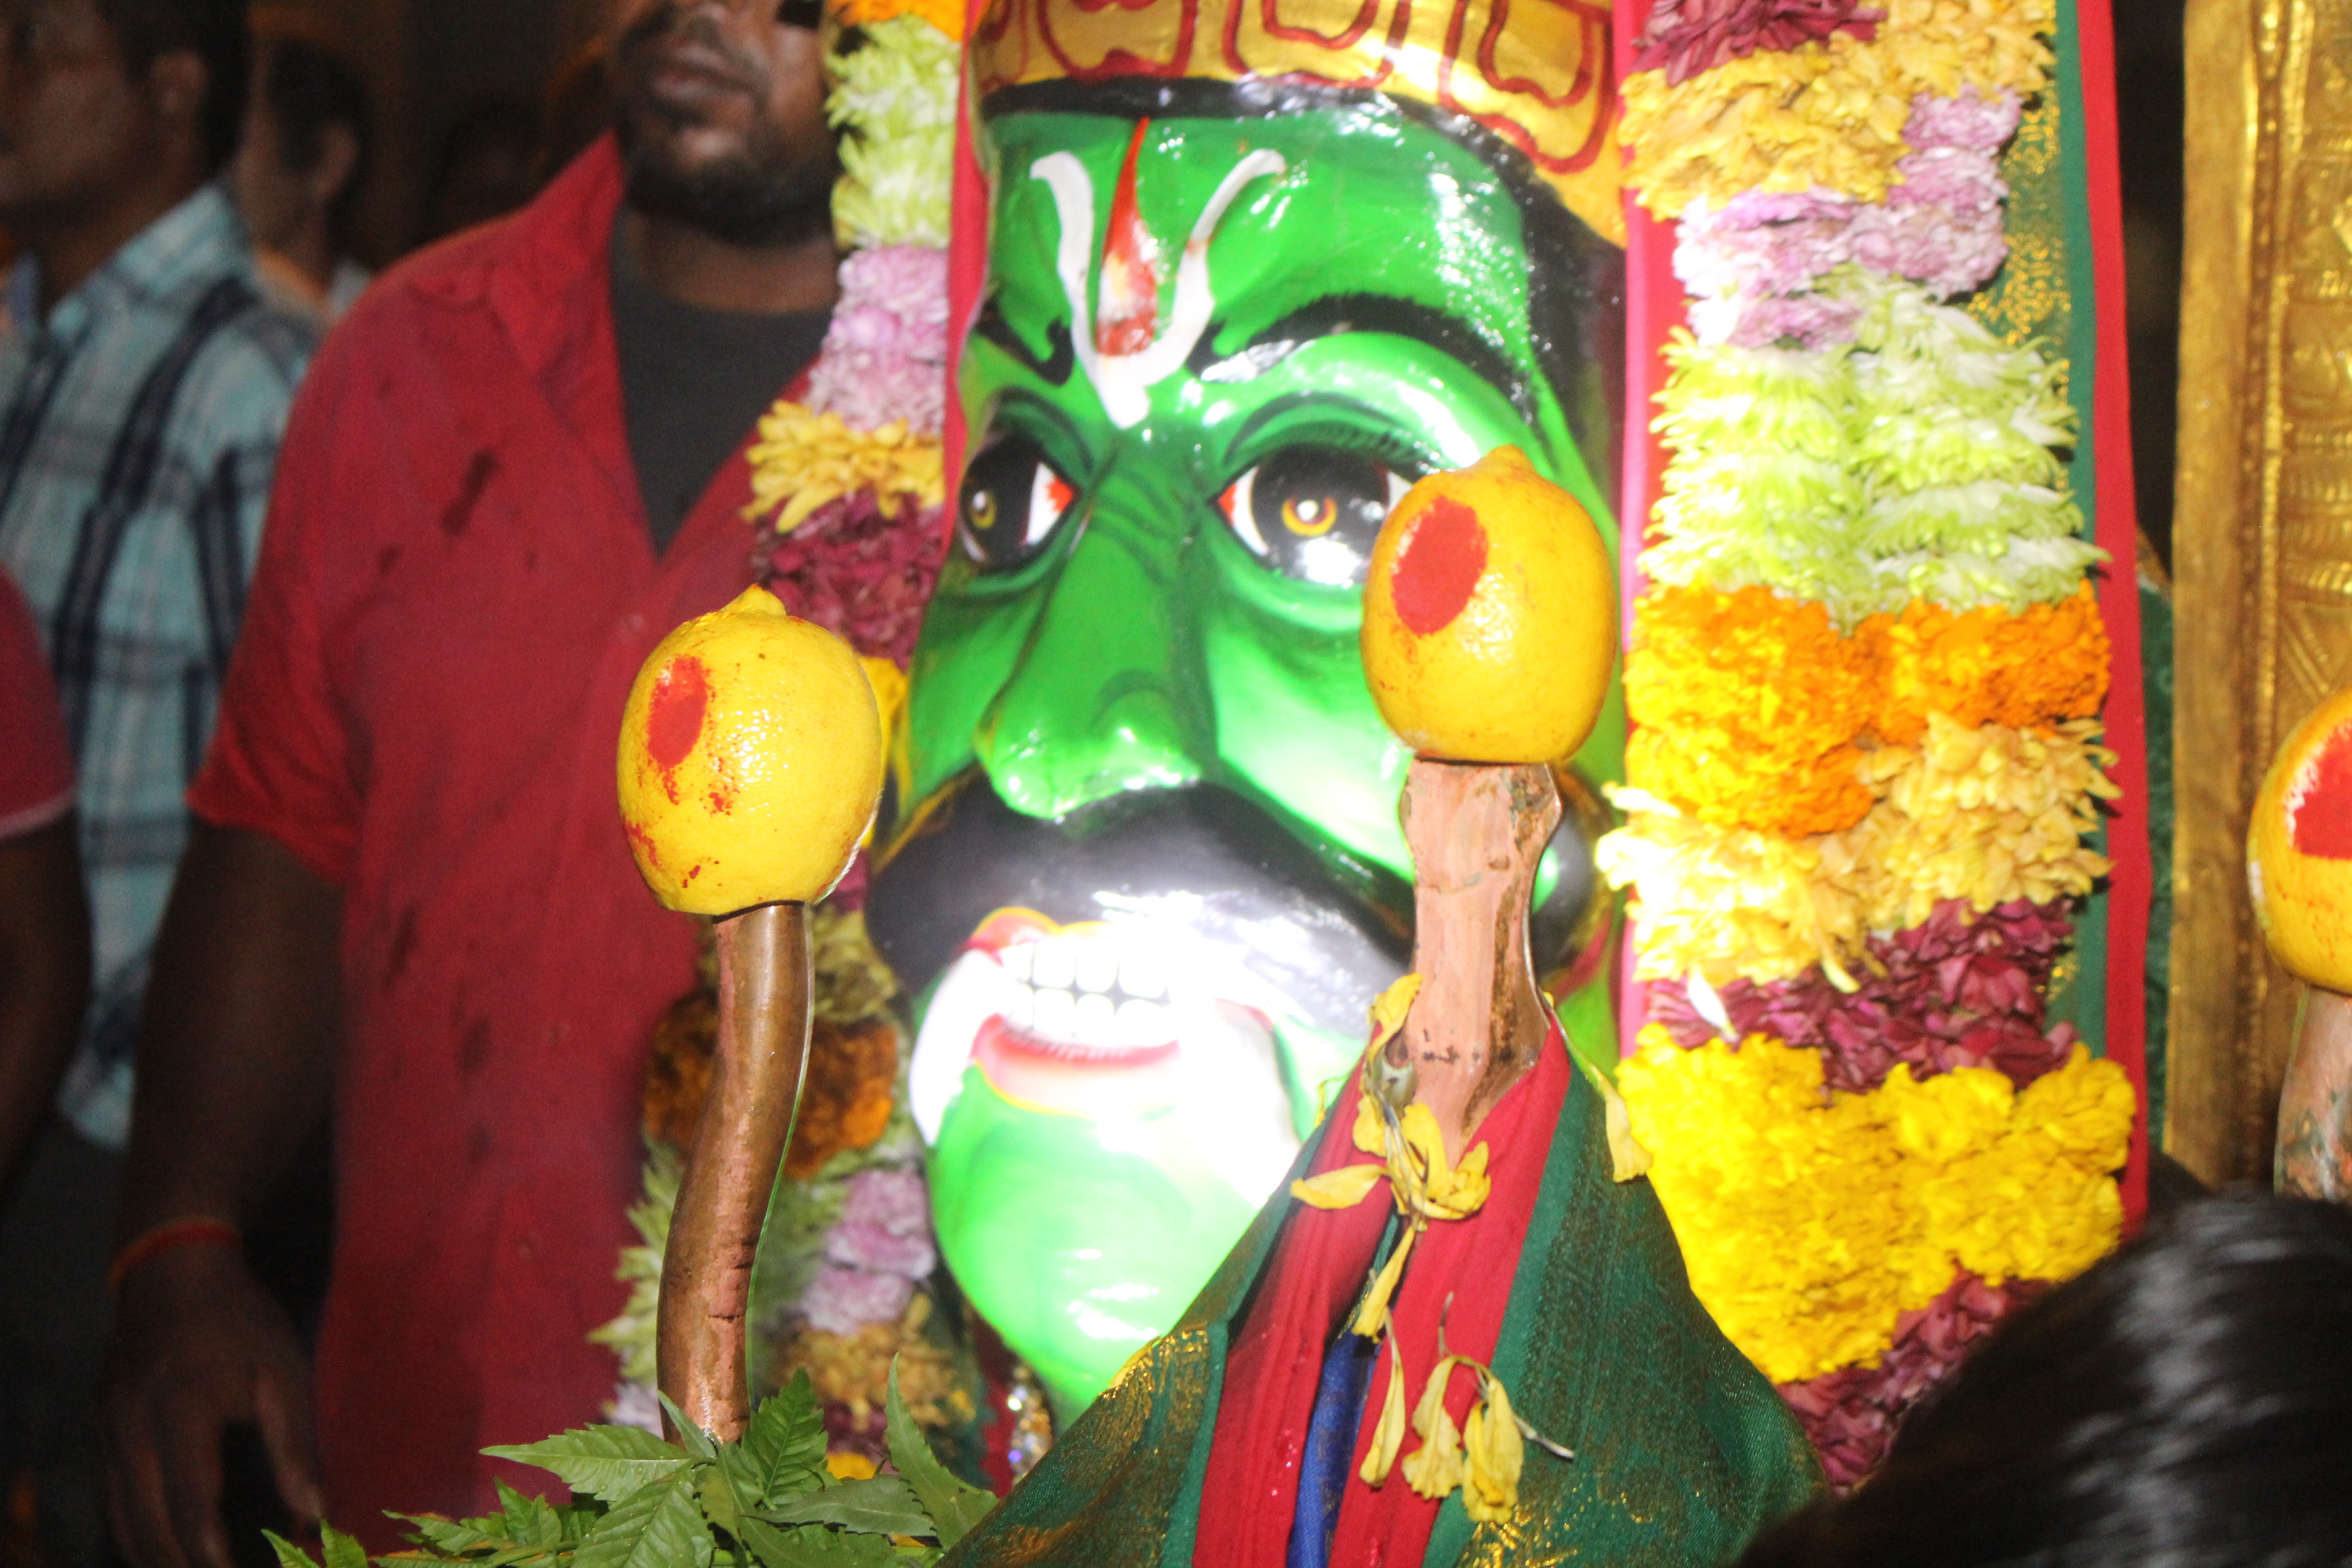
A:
[(1539, 74)]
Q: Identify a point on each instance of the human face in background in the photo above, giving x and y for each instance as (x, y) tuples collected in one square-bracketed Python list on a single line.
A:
[(75, 127), (719, 106), (1156, 875)]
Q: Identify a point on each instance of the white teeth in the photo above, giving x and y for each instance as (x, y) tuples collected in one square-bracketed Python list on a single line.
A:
[(1086, 990), (1096, 968), (1055, 1012), (1056, 964), (1143, 1023), (1139, 975)]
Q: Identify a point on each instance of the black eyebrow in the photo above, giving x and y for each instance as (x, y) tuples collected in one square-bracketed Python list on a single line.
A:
[(1054, 370), (1335, 313)]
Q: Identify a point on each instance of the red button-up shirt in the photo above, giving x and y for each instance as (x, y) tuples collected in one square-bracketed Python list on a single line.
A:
[(456, 588)]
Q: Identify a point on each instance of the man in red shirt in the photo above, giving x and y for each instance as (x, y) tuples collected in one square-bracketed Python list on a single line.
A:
[(44, 918), (514, 468)]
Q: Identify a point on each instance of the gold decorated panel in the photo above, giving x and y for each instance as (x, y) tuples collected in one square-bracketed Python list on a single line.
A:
[(2263, 529)]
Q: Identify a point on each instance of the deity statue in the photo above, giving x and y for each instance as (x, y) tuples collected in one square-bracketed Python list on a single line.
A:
[(1251, 273)]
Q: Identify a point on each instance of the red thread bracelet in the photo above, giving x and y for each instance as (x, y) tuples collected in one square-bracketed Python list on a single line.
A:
[(192, 1230)]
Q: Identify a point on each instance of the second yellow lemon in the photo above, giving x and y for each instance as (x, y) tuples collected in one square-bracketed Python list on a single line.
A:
[(1490, 615)]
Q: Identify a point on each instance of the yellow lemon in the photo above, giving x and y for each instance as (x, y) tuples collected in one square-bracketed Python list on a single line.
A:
[(751, 759), (2299, 849), (1490, 615)]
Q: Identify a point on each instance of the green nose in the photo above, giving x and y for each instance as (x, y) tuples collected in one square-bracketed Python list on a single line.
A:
[(1109, 696)]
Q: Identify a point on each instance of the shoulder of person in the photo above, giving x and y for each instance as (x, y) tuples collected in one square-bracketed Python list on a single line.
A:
[(242, 380)]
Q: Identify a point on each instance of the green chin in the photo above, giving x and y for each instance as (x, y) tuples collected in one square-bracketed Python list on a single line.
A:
[(1020, 1199)]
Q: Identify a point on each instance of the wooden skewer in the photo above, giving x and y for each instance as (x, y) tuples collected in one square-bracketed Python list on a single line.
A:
[(2314, 1130), (1476, 832), (739, 1143)]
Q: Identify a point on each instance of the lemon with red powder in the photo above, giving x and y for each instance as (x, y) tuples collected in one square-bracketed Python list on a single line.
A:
[(751, 759), (1490, 615), (2299, 849)]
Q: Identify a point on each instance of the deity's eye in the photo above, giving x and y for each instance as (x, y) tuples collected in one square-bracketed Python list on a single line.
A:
[(1011, 499), (1312, 512)]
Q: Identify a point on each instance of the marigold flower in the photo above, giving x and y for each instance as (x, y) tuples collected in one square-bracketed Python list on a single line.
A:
[(1747, 706), (1988, 816), (1811, 1220), (1989, 665)]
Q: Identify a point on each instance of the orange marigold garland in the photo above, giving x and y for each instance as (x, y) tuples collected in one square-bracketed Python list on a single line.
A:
[(1747, 707), (1752, 711), (1989, 665)]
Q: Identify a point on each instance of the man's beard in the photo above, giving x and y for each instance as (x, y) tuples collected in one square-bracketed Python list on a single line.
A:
[(772, 192)]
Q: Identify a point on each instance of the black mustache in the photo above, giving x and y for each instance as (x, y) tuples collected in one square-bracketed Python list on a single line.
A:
[(1329, 933)]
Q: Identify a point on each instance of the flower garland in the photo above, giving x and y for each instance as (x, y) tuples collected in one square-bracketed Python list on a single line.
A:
[(1864, 680), (1812, 1220), (1830, 112), (848, 506)]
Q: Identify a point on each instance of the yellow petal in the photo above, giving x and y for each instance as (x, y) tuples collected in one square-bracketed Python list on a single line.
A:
[(1388, 1433), (1495, 1454), (1342, 1189), (1434, 1469), (1374, 1315), (1627, 1158), (1371, 1128), (1390, 1009)]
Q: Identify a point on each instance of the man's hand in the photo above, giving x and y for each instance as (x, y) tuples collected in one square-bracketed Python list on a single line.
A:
[(236, 1049), (199, 1344)]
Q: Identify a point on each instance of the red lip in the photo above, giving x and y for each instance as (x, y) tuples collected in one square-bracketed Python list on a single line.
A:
[(1088, 1080)]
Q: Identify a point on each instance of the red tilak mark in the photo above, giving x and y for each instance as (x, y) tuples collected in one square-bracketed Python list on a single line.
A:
[(644, 843), (2319, 801), (1440, 567), (722, 803), (674, 718), (1129, 317)]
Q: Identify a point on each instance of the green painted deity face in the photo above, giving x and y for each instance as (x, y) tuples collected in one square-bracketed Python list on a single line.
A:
[(1156, 873)]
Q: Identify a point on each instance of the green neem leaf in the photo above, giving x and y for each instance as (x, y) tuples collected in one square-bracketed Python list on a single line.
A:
[(813, 1546), (954, 1507), (579, 1516), (783, 1451), (882, 1506), (451, 1537), (288, 1554), (607, 1462), (697, 1442), (656, 1526), (720, 1506), (530, 1520), (343, 1550)]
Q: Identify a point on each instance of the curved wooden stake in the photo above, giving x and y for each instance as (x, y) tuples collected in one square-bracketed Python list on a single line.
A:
[(739, 1143), (1476, 832), (2314, 1126)]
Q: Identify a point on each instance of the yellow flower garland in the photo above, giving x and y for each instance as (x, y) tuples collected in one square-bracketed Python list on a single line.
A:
[(1810, 1222), (1988, 814), (803, 460), (1825, 115)]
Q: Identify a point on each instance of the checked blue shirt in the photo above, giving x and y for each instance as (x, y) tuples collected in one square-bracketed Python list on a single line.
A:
[(138, 429)]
